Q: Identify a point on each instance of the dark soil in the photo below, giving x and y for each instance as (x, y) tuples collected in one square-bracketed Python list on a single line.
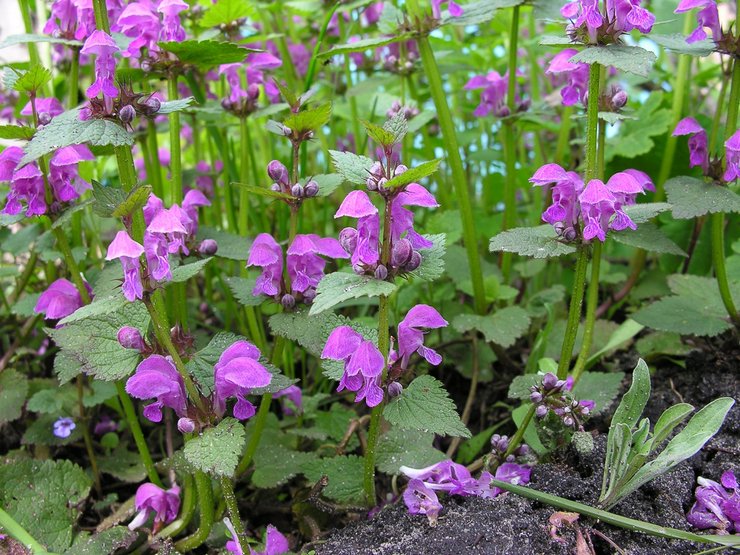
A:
[(510, 525)]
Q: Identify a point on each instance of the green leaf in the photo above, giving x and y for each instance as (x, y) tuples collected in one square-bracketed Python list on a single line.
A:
[(670, 418), (399, 447), (45, 497), (106, 199), (123, 465), (33, 79), (647, 236), (134, 201), (700, 429), (378, 134), (531, 437), (51, 401), (263, 191), (217, 450), (230, 245), (345, 477), (363, 45), (398, 126), (206, 53), (26, 38), (691, 198), (684, 315), (677, 43), (519, 386), (309, 120), (67, 129), (432, 259), (538, 242), (480, 11), (187, 271), (624, 333), (92, 342), (412, 175), (242, 290), (107, 541), (425, 405), (341, 286), (101, 392), (635, 135), (503, 327), (226, 11), (16, 132), (633, 402), (328, 183), (631, 59), (600, 387), (100, 306), (178, 105), (355, 168), (13, 392), (278, 464), (646, 211)]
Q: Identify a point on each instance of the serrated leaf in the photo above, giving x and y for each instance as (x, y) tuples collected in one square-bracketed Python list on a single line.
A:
[(378, 134), (134, 201), (677, 43), (363, 44), (25, 38), (226, 11), (242, 290), (682, 315), (645, 211), (631, 59), (425, 405), (412, 175), (432, 259), (206, 53), (647, 236), (503, 327), (123, 465), (538, 242), (690, 198), (178, 105), (45, 497), (355, 168), (13, 392), (399, 447), (230, 245), (106, 541), (341, 286), (67, 129), (16, 132), (187, 271), (398, 126), (599, 387), (33, 79), (51, 401), (480, 11), (328, 183), (106, 199), (309, 120), (344, 474), (217, 450), (278, 464), (101, 392)]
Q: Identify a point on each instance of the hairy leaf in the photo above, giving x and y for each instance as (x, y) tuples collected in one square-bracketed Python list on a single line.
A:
[(691, 198), (399, 447), (355, 168), (538, 242), (503, 327), (13, 392), (631, 59), (217, 450), (341, 286)]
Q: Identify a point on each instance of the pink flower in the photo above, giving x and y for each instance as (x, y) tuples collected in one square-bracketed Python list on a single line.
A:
[(236, 373), (164, 504), (157, 377), (128, 251)]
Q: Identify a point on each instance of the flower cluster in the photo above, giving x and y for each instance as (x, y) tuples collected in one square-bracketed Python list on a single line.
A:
[(589, 211), (499, 446), (493, 95), (281, 178), (699, 151), (553, 396), (717, 506), (152, 500), (707, 18), (27, 182), (241, 101), (594, 24), (455, 479), (364, 363), (169, 231), (60, 300)]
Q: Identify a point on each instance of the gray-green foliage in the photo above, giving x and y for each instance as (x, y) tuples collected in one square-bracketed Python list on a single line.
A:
[(631, 443), (217, 450), (342, 286), (13, 392), (691, 197), (538, 242)]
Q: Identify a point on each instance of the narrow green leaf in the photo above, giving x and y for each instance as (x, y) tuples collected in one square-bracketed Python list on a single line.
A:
[(670, 418)]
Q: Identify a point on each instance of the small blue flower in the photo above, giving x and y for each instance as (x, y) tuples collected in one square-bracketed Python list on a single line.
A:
[(63, 427)]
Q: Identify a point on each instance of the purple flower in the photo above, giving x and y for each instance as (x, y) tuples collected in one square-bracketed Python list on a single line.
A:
[(128, 251), (238, 371), (508, 472), (588, 23), (139, 22), (305, 262), (63, 427), (403, 219), (446, 476), (493, 95), (361, 242), (102, 45), (717, 506), (411, 331), (294, 395), (190, 204), (50, 106), (275, 542), (698, 149), (266, 254), (453, 7), (165, 235), (157, 377), (105, 425), (64, 178), (363, 364), (59, 300), (708, 17), (150, 498), (172, 29), (422, 500), (576, 73), (26, 184), (564, 209), (254, 67), (732, 157)]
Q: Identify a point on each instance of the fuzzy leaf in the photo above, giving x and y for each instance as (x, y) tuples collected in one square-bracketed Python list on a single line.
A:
[(691, 198), (682, 315), (328, 183), (187, 271), (355, 168), (670, 418), (378, 134), (341, 286), (647, 236), (599, 387), (33, 79), (309, 120), (399, 447), (217, 450), (226, 11), (107, 541), (646, 211), (432, 259), (503, 327), (263, 191), (425, 405), (13, 392), (344, 474), (631, 59), (26, 38), (633, 402), (538, 242), (412, 175), (178, 105), (230, 245), (677, 43), (242, 290), (363, 44), (278, 464), (206, 53), (16, 132)]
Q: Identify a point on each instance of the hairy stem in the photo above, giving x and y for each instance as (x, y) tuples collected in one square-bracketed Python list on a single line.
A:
[(227, 487), (574, 312), (205, 504), (244, 176), (133, 423), (592, 302), (187, 510)]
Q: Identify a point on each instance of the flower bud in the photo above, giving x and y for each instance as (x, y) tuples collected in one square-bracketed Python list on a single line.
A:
[(549, 381), (226, 104), (287, 131), (297, 190), (253, 92), (400, 168), (130, 338), (401, 254), (372, 185), (569, 234), (619, 99), (414, 262), (381, 184), (359, 269), (541, 411), (535, 397), (208, 247), (44, 118), (311, 189), (288, 301), (394, 389), (381, 272), (154, 105), (275, 187), (348, 239), (185, 425), (568, 421), (277, 171), (146, 66), (127, 114), (376, 169)]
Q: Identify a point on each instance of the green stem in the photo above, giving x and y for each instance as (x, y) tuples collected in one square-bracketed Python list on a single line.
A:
[(564, 135), (459, 178), (133, 423), (227, 488), (187, 510), (101, 15), (594, 89), (205, 503), (153, 149), (175, 149), (510, 141), (311, 73), (12, 527), (592, 303), (260, 420), (574, 312), (33, 51), (244, 176), (517, 438), (86, 435), (74, 76)]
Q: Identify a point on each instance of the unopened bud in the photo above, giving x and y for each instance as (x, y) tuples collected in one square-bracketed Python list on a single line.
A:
[(146, 66), (275, 187), (376, 169), (619, 99), (381, 272), (253, 92), (154, 105), (277, 171), (44, 118), (226, 104), (130, 338), (348, 239), (297, 190), (569, 234), (541, 411), (127, 114), (400, 168), (185, 425), (414, 262), (288, 301), (287, 131), (401, 254), (311, 189), (394, 389), (549, 381), (372, 185), (208, 247), (381, 184), (535, 397), (359, 269), (568, 421)]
